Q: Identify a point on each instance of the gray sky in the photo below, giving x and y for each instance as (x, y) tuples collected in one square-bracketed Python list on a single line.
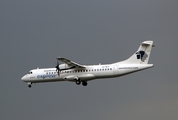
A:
[(33, 33)]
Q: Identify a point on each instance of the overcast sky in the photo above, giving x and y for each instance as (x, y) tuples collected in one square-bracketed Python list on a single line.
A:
[(34, 32)]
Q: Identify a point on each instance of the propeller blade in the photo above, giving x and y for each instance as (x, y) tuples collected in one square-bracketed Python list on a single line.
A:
[(57, 67)]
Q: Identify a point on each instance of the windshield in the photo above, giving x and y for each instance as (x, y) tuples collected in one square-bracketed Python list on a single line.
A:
[(30, 72)]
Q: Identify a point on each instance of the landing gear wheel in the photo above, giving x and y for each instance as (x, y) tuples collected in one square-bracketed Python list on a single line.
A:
[(29, 85), (78, 82), (84, 83)]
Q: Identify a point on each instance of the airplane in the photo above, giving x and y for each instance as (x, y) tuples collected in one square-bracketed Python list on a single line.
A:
[(74, 72)]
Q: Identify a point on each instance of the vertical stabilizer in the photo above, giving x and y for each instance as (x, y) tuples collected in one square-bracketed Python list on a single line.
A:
[(142, 55)]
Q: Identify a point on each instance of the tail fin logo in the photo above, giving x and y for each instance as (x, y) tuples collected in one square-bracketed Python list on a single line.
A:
[(141, 55)]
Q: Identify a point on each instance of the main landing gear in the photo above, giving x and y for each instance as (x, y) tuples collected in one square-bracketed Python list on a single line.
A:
[(84, 83), (78, 82)]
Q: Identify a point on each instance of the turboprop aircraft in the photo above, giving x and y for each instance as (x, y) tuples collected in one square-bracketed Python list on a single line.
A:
[(74, 72)]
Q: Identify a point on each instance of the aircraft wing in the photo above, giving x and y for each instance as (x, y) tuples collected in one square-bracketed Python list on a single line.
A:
[(70, 63)]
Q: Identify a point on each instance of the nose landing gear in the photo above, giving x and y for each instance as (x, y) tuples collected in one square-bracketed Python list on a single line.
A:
[(29, 84)]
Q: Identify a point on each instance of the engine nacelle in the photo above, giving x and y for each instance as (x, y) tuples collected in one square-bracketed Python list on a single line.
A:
[(64, 66)]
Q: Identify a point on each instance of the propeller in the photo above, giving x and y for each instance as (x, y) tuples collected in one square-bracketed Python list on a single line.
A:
[(57, 67)]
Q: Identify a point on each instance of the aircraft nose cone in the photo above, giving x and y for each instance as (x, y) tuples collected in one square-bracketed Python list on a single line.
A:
[(23, 78)]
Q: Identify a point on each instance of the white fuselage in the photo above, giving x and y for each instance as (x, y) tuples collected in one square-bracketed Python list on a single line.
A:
[(85, 74), (74, 72)]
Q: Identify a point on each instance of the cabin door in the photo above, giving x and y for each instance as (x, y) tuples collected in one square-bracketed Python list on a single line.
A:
[(116, 69)]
